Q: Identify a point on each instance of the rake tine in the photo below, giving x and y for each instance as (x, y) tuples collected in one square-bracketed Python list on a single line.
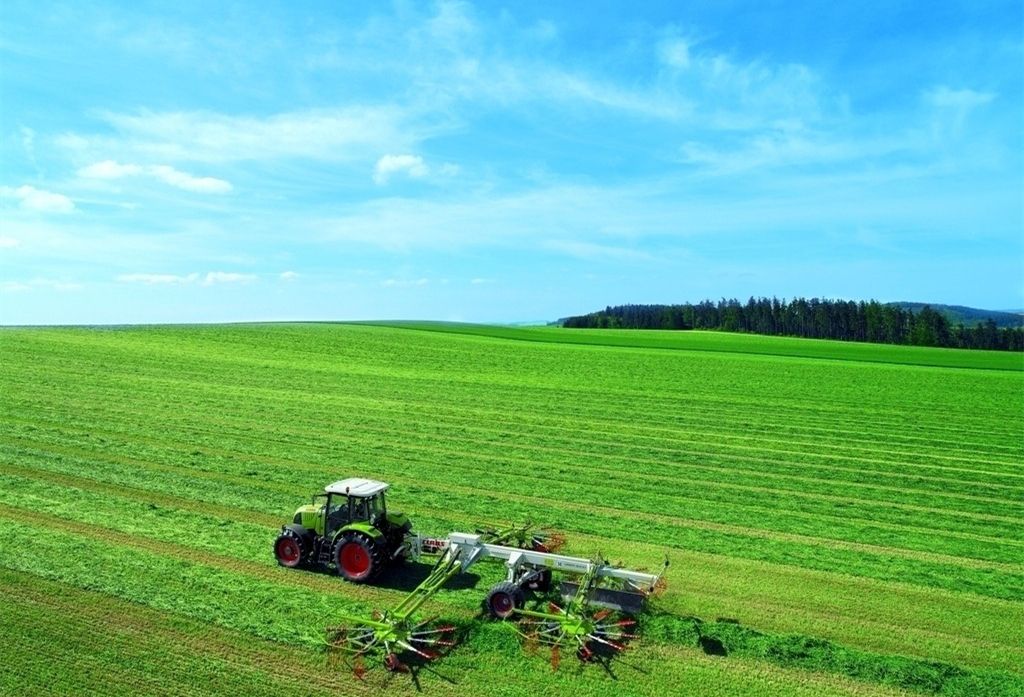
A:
[(617, 647)]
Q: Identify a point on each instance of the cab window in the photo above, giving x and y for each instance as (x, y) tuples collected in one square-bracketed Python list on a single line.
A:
[(359, 511)]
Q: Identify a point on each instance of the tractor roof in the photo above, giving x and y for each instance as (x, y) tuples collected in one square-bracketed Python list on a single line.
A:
[(356, 486)]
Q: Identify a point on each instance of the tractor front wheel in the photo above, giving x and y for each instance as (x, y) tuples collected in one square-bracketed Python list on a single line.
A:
[(288, 549), (358, 557), (503, 600)]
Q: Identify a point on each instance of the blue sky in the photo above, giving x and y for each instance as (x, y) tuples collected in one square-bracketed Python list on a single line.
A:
[(503, 162)]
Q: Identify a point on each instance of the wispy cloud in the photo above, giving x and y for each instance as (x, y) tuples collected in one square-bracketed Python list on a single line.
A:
[(405, 282), (109, 169), (388, 165), (157, 279), (208, 279), (337, 134), (288, 275), (8, 242), (46, 283), (215, 277), (590, 250), (38, 200)]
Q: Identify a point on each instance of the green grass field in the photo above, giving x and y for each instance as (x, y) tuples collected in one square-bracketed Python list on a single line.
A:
[(855, 512)]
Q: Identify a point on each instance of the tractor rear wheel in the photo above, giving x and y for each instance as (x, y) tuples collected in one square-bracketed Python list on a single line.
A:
[(503, 600), (358, 557), (289, 550)]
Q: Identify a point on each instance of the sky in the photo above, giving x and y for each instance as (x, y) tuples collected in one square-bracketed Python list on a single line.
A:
[(516, 162)]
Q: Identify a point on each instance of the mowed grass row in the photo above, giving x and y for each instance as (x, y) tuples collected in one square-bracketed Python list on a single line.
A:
[(108, 409)]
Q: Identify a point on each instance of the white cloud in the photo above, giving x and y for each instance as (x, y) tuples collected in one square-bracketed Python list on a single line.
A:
[(214, 277), (209, 279), (340, 134), (8, 242), (405, 283), (33, 199), (480, 281), (412, 165), (110, 169), (784, 148), (589, 250), (288, 276), (158, 278), (183, 180)]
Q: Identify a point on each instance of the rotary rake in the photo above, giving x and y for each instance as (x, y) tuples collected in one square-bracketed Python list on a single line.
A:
[(593, 620), (592, 635)]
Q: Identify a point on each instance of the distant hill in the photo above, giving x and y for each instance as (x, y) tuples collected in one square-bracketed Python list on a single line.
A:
[(968, 316)]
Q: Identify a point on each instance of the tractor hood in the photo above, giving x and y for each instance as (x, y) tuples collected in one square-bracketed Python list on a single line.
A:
[(310, 517)]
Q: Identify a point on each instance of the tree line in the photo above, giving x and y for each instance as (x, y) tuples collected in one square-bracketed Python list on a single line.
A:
[(815, 318)]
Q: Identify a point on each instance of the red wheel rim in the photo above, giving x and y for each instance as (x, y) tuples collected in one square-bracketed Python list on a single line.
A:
[(501, 604), (354, 559), (288, 551)]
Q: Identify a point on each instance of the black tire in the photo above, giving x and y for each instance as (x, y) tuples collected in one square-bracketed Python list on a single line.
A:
[(358, 558), (290, 549), (503, 600)]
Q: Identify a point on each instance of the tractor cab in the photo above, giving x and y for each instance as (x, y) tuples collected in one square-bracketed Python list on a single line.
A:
[(352, 501)]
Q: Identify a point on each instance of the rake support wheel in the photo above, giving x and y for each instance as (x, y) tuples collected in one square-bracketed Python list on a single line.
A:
[(503, 600)]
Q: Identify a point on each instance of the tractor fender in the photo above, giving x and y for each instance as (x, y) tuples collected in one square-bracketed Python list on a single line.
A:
[(373, 533), (299, 531)]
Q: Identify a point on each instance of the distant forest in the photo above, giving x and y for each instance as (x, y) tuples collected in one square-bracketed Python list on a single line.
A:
[(818, 319)]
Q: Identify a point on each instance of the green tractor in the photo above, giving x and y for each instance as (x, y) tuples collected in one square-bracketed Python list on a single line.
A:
[(348, 527)]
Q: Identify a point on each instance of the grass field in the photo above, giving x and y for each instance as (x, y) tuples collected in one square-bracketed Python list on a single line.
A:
[(855, 511)]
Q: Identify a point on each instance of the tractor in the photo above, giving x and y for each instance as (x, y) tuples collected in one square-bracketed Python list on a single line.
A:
[(347, 527)]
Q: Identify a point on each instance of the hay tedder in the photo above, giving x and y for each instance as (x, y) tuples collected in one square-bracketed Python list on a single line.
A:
[(348, 529)]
